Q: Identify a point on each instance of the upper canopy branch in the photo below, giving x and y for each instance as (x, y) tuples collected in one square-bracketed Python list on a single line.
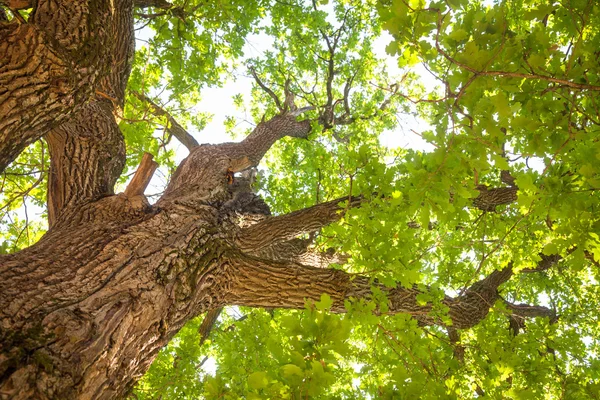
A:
[(266, 89), (173, 127), (510, 74)]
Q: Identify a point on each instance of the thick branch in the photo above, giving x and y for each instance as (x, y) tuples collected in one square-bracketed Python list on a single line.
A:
[(173, 127), (207, 166), (529, 311), (289, 226), (489, 199), (17, 4), (256, 283), (297, 251)]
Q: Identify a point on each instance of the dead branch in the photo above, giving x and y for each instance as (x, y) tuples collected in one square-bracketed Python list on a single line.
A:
[(142, 176)]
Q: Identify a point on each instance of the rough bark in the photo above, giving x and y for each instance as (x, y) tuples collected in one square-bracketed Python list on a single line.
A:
[(87, 155), (87, 152), (488, 199), (286, 227), (84, 311), (51, 66), (268, 284)]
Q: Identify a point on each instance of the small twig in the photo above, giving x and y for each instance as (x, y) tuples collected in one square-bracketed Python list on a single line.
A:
[(172, 126)]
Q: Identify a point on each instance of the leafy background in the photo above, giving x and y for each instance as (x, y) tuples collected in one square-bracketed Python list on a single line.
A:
[(484, 87)]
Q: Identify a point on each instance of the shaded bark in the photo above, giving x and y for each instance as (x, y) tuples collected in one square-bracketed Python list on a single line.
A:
[(86, 309), (50, 66), (87, 155)]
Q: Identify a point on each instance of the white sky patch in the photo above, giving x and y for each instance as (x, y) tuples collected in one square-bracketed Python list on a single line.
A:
[(210, 366)]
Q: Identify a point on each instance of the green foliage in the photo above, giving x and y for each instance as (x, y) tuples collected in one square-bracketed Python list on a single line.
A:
[(515, 88), (493, 86), (23, 199)]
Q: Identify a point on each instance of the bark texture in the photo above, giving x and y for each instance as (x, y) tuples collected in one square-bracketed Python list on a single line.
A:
[(51, 66)]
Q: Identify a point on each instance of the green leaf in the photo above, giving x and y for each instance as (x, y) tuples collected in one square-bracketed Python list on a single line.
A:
[(258, 380), (325, 303), (550, 249), (292, 370)]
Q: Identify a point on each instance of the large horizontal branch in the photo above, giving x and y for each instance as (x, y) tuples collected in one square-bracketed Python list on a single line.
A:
[(173, 127), (297, 251), (256, 283), (289, 226)]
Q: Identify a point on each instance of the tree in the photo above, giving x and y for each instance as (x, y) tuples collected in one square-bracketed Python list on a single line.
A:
[(460, 271)]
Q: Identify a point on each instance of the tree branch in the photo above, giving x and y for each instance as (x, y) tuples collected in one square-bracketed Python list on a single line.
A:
[(17, 4), (509, 74), (177, 11), (267, 90), (489, 199), (208, 323), (173, 126), (210, 164), (142, 176), (288, 226), (256, 283)]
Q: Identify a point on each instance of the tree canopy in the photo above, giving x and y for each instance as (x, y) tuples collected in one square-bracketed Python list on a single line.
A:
[(504, 96)]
